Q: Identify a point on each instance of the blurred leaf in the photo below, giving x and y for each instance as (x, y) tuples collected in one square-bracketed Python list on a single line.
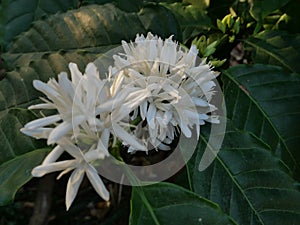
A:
[(260, 9), (202, 4), (219, 8), (159, 20), (292, 11), (248, 181), (277, 48), (192, 20), (171, 204), (265, 100), (17, 15)]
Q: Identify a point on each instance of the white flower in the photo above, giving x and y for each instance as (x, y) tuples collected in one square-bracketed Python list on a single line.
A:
[(84, 105), (82, 126), (81, 164), (75, 102), (169, 91)]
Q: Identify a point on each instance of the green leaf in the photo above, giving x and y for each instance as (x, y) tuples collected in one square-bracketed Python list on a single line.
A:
[(15, 162), (166, 203), (277, 48), (260, 9), (16, 16), (265, 100), (192, 20), (16, 172), (47, 48), (202, 4), (247, 180), (219, 8), (93, 26), (13, 143)]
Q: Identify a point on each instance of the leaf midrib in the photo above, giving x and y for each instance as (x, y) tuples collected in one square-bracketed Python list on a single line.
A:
[(266, 117), (278, 58), (234, 181)]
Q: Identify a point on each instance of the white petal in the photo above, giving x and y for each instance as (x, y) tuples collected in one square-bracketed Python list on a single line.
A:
[(41, 170), (199, 102), (76, 75), (191, 56), (73, 186), (93, 155), (53, 155), (43, 122), (151, 115), (66, 84), (213, 119), (185, 130), (124, 136), (42, 106), (97, 182), (45, 88), (58, 132), (37, 132), (71, 148), (92, 70)]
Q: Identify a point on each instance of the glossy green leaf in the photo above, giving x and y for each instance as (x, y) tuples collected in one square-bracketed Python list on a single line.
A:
[(13, 143), (16, 16), (265, 100), (15, 162), (277, 48), (47, 48), (260, 9), (93, 26), (165, 203), (16, 172), (192, 20), (248, 181)]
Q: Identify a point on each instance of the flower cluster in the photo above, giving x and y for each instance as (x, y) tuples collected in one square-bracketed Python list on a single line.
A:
[(154, 91)]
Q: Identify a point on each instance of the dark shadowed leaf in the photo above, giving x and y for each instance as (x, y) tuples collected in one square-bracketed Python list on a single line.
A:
[(76, 36), (16, 16), (165, 203), (265, 100), (277, 48), (192, 20), (248, 181), (15, 162), (260, 9), (16, 172)]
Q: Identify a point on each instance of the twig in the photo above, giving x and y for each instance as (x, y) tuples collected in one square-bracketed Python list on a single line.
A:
[(43, 201)]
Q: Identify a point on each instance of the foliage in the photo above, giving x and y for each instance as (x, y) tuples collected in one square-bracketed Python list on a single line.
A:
[(255, 177)]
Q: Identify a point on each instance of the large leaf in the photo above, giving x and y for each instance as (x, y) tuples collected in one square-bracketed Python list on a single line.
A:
[(91, 26), (17, 15), (48, 47), (248, 181), (165, 203), (260, 9), (277, 48), (16, 172), (265, 100), (192, 20), (13, 143), (15, 163)]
